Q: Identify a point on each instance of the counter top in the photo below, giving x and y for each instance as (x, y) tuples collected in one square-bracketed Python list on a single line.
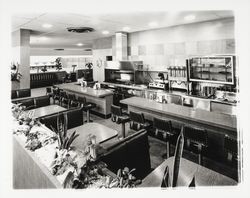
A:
[(182, 94), (137, 87), (73, 87), (198, 115)]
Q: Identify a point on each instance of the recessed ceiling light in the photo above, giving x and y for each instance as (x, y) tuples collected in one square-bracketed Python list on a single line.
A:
[(105, 32), (126, 28), (153, 24), (47, 25), (189, 17), (79, 44)]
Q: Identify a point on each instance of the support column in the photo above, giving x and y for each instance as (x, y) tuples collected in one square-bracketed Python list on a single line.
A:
[(21, 55)]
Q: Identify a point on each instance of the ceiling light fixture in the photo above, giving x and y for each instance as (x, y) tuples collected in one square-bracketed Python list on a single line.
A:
[(47, 25), (153, 24), (126, 29), (79, 44), (105, 32), (189, 17)]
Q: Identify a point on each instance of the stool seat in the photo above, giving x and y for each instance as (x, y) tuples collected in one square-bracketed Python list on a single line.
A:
[(197, 138), (86, 106), (118, 117), (138, 121), (165, 128)]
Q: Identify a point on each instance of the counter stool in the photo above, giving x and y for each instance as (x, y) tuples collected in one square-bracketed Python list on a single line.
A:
[(56, 95), (231, 149), (198, 138), (165, 128), (137, 121), (87, 106), (64, 99), (72, 100), (49, 91), (119, 117)]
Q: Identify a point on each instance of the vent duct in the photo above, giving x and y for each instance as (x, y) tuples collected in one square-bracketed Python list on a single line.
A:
[(80, 29), (121, 45)]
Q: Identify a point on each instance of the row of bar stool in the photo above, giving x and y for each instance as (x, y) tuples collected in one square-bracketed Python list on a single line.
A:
[(70, 100), (196, 139)]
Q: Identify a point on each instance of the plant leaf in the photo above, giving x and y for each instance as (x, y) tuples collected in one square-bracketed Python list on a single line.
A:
[(177, 157)]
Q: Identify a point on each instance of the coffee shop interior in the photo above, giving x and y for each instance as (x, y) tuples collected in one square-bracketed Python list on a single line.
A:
[(136, 99)]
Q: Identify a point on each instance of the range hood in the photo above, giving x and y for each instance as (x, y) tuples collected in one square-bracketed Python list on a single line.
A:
[(124, 65), (121, 56)]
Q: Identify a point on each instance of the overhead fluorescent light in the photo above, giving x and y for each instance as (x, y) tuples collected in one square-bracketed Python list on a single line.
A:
[(105, 32), (79, 44), (189, 17), (153, 24), (47, 25), (126, 29)]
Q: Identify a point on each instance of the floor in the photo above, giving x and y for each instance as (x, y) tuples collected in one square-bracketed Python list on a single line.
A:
[(157, 147)]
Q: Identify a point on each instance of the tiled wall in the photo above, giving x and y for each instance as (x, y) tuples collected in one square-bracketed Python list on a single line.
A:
[(172, 46)]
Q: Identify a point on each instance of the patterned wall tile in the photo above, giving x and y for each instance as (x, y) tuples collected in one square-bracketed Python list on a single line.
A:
[(179, 48), (134, 50), (191, 48), (204, 47), (169, 49), (155, 49), (142, 50), (230, 46)]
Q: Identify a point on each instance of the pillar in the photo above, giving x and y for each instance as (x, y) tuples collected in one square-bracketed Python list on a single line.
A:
[(21, 55)]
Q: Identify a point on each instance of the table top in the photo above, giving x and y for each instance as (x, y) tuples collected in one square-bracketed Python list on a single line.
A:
[(74, 87), (47, 110), (198, 115), (101, 132), (188, 169)]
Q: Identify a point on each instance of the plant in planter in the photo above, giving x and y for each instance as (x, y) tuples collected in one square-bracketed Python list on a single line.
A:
[(58, 64), (44, 69), (89, 65), (15, 74), (63, 159), (124, 179)]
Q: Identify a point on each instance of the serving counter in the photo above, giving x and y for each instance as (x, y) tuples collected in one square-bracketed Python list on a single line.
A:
[(102, 98), (216, 124)]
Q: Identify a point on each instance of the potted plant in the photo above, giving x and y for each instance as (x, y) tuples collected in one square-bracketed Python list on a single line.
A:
[(15, 74), (58, 64), (89, 65)]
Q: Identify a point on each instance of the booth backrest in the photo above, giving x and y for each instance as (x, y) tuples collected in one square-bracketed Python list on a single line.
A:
[(131, 152), (21, 93), (42, 101), (36, 102), (50, 122), (28, 103), (74, 117)]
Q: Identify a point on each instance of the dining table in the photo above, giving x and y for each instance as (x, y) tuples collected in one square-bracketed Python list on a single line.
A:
[(187, 171), (101, 132), (46, 111)]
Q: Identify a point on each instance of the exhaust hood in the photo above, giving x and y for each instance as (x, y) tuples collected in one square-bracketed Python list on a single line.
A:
[(121, 49)]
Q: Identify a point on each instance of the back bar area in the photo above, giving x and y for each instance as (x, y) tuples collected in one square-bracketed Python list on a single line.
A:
[(151, 105)]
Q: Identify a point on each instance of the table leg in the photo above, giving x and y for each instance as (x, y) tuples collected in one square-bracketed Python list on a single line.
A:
[(123, 129)]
